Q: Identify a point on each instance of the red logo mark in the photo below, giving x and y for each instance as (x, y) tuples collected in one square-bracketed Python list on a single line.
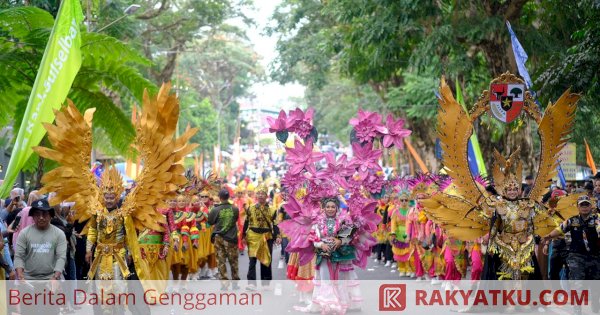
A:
[(392, 297)]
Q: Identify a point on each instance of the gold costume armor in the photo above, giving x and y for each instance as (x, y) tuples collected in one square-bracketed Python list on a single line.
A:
[(160, 152), (468, 213), (108, 235)]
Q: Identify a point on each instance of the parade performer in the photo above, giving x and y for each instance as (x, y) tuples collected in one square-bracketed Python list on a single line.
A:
[(207, 259), (424, 241), (339, 238), (112, 228), (399, 235), (241, 202), (182, 254), (259, 234), (383, 210), (154, 252), (510, 220)]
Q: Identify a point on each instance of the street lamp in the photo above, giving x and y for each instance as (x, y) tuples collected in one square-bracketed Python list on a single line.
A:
[(128, 11)]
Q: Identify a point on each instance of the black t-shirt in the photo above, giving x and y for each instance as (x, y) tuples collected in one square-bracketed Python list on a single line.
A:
[(584, 234)]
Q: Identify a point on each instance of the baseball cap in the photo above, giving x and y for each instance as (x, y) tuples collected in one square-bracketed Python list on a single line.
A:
[(41, 205), (583, 199)]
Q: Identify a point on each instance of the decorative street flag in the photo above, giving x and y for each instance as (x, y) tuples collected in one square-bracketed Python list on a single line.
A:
[(589, 158), (60, 64)]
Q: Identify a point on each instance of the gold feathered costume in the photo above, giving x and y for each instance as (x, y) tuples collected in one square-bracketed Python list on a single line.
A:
[(467, 215), (160, 152)]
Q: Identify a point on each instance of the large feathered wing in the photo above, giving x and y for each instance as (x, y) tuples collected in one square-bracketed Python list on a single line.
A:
[(454, 129), (71, 139), (554, 130), (461, 219), (161, 153)]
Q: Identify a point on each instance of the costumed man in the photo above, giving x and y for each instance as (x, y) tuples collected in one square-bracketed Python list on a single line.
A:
[(510, 220), (260, 234), (399, 235), (112, 226)]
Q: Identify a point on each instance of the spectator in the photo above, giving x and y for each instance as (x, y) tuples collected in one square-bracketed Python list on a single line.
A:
[(24, 219), (584, 250), (41, 253), (224, 217), (526, 188)]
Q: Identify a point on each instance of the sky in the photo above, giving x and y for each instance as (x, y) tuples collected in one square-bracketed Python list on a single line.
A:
[(273, 95)]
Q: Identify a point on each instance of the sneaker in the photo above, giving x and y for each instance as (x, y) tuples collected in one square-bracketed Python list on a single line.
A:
[(376, 260), (387, 263), (393, 270), (394, 265), (250, 287), (419, 279)]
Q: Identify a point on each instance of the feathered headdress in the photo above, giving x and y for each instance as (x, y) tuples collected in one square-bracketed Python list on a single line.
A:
[(419, 185), (503, 174), (111, 182)]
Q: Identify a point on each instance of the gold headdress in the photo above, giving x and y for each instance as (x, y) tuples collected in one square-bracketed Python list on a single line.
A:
[(504, 178), (111, 182), (262, 188)]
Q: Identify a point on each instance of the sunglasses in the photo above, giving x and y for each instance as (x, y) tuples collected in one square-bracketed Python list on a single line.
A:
[(403, 200), (203, 196)]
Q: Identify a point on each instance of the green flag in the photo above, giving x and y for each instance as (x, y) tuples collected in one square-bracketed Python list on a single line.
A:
[(473, 139), (60, 64)]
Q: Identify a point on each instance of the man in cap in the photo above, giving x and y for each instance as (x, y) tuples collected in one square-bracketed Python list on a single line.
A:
[(584, 251), (41, 252)]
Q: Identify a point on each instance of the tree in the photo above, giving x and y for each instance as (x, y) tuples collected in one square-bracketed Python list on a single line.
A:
[(221, 68), (393, 45), (108, 69)]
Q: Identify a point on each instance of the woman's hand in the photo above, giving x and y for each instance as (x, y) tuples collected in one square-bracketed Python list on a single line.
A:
[(325, 247), (338, 243)]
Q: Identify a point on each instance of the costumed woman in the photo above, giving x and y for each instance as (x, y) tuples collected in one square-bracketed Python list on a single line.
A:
[(154, 251), (399, 235), (181, 253), (207, 259), (332, 239), (384, 208), (240, 201)]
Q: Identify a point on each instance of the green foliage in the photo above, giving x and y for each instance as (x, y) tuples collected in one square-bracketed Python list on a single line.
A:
[(415, 98), (577, 66), (108, 69)]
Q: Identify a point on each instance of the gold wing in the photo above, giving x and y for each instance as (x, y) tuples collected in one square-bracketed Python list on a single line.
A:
[(566, 207), (454, 129), (460, 218), (554, 130), (71, 139), (161, 154)]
